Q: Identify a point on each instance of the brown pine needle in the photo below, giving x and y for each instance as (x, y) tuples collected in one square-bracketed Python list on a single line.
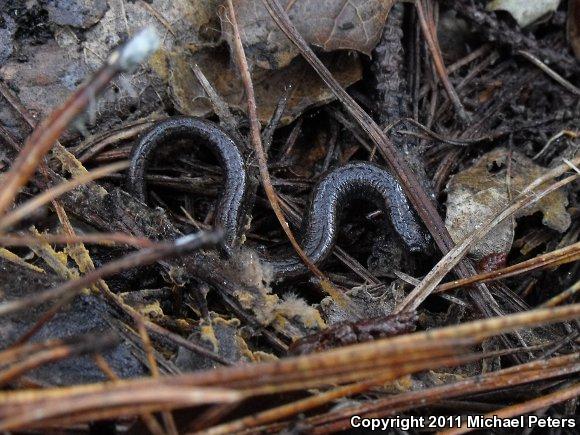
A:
[(48, 195), (145, 256), (256, 140), (528, 407), (21, 409), (558, 257), (429, 31), (566, 294), (105, 239), (533, 371)]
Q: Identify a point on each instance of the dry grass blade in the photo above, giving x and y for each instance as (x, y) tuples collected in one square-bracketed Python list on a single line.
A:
[(48, 195), (48, 131)]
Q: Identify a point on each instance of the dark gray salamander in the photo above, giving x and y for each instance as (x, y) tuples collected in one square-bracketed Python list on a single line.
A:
[(231, 209), (333, 193)]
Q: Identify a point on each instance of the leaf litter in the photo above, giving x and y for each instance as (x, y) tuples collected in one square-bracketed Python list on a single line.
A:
[(151, 301)]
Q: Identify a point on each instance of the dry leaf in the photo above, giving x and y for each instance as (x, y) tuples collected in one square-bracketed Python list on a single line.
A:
[(191, 35), (190, 98), (328, 24), (477, 194)]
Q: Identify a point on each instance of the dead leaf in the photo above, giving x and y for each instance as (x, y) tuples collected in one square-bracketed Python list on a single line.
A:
[(191, 34), (328, 24), (478, 193), (525, 12), (45, 74), (190, 98)]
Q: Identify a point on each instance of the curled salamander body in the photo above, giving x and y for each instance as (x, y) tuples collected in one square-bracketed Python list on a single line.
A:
[(231, 209), (332, 194)]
